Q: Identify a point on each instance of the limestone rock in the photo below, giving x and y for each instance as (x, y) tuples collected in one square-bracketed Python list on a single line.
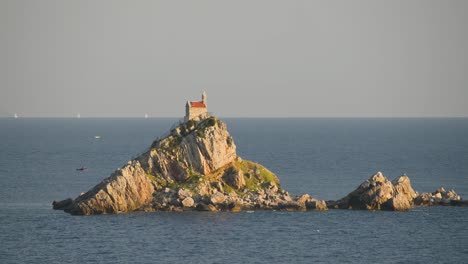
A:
[(403, 187), (303, 198), (378, 193), (202, 189), (319, 205), (403, 197), (203, 149), (183, 193), (450, 195), (286, 197), (127, 189), (369, 195), (218, 198), (398, 203), (234, 178), (439, 197), (188, 202), (310, 203), (424, 199)]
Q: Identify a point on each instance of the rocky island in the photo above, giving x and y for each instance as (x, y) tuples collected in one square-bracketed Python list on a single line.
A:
[(196, 167)]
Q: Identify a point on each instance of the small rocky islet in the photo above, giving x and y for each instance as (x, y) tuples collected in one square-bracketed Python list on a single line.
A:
[(196, 167)]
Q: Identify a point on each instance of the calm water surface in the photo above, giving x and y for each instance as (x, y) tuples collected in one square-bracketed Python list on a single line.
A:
[(324, 157)]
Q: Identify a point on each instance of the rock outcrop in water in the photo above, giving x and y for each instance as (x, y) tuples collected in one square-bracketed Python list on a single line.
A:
[(439, 197), (127, 189), (196, 167), (378, 193)]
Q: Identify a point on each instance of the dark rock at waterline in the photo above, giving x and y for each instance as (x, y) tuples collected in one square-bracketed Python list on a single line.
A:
[(459, 202), (206, 207), (62, 205)]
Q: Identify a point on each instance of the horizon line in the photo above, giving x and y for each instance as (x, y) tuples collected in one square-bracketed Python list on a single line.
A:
[(244, 117)]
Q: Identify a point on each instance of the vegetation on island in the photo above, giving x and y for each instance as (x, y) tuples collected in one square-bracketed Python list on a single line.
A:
[(256, 177)]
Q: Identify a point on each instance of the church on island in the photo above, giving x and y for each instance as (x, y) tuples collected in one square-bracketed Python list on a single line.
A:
[(196, 109)]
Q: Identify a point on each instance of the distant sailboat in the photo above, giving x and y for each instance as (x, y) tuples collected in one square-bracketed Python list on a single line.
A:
[(78, 115), (146, 115), (16, 115)]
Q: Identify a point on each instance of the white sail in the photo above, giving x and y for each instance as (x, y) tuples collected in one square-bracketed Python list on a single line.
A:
[(16, 115)]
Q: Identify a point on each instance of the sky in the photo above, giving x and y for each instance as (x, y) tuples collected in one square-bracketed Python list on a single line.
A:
[(254, 58)]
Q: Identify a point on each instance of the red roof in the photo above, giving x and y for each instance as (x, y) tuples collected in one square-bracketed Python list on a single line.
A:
[(197, 104)]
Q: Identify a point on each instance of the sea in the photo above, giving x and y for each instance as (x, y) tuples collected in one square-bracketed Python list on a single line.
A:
[(325, 157)]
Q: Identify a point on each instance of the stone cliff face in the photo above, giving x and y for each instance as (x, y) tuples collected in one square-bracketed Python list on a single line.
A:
[(196, 167), (194, 147), (127, 189)]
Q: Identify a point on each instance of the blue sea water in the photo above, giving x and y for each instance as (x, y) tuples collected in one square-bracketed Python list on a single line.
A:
[(326, 158)]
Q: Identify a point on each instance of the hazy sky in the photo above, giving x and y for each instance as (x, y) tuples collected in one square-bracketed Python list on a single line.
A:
[(254, 58)]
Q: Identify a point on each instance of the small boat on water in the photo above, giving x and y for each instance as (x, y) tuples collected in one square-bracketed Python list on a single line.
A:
[(16, 115), (82, 169), (146, 115), (97, 137)]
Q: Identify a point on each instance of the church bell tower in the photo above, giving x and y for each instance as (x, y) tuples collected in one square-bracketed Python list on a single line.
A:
[(203, 97)]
